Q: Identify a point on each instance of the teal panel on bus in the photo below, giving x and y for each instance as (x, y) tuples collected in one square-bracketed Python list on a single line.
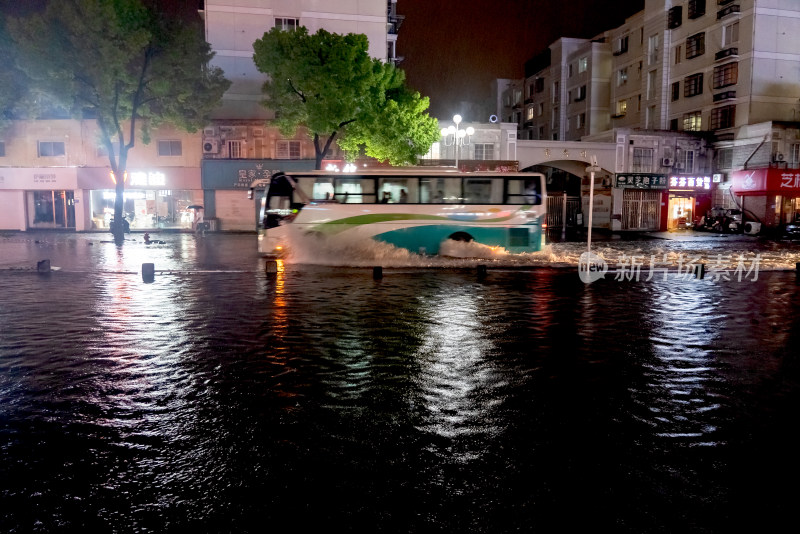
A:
[(428, 238)]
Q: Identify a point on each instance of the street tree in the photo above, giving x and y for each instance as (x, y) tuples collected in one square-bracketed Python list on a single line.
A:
[(124, 64), (328, 83)]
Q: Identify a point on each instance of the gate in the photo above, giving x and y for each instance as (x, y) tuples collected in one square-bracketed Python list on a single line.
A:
[(555, 210), (641, 209)]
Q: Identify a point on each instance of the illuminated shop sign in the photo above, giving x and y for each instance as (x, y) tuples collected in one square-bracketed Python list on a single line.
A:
[(690, 182), (147, 178), (642, 181)]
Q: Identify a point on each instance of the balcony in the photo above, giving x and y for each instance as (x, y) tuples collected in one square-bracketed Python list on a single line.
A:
[(723, 2), (722, 13), (727, 95), (620, 51), (617, 115), (728, 52)]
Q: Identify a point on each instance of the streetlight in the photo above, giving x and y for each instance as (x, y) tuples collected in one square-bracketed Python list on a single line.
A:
[(455, 137)]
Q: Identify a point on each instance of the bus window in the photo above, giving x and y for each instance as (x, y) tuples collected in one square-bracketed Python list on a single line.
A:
[(524, 191), (348, 190), (397, 190), (431, 191), (452, 190), (477, 191), (322, 188)]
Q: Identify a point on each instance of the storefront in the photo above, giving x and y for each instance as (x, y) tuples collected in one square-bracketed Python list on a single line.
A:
[(227, 182), (689, 199), (154, 199), (770, 196), (39, 198), (638, 198)]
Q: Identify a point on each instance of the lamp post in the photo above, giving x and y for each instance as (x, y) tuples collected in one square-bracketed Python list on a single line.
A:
[(453, 136)]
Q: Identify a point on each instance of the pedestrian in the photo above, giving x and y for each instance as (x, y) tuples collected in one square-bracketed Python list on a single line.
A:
[(403, 196)]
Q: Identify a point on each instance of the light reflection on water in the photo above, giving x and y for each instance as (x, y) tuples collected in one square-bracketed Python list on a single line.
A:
[(429, 400)]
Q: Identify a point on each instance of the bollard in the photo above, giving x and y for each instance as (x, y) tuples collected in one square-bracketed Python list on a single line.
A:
[(271, 268), (481, 271), (148, 272), (700, 271), (43, 266), (377, 273)]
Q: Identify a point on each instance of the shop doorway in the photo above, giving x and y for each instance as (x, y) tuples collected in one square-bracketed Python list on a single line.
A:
[(681, 212), (641, 209), (51, 209)]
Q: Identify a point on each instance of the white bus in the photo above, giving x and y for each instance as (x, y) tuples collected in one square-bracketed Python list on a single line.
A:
[(415, 209)]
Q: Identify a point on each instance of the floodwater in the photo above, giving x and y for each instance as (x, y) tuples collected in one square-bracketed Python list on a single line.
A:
[(219, 398)]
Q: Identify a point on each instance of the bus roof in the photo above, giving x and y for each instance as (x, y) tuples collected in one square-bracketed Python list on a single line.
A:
[(415, 171)]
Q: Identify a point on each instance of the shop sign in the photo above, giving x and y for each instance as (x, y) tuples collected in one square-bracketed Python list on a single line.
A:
[(46, 178), (240, 174), (140, 178), (642, 181), (763, 181), (690, 182)]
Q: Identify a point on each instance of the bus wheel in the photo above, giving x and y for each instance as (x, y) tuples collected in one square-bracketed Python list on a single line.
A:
[(461, 236)]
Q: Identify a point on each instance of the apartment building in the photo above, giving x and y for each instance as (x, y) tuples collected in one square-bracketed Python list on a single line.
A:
[(696, 89)]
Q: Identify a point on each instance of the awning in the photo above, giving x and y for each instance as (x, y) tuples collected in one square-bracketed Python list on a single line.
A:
[(766, 182)]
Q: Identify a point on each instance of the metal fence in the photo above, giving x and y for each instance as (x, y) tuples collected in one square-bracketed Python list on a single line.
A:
[(555, 210)]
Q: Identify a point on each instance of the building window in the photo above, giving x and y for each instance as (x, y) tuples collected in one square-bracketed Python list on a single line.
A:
[(693, 85), (2, 149), (529, 113), (570, 70), (541, 133), (581, 93), (621, 45), (622, 108), (674, 17), (725, 158), (696, 8), (580, 120), (530, 91), (583, 64), (652, 49), (678, 51), (692, 122), (556, 95), (234, 149), (651, 117), (622, 76), (484, 151), (673, 125), (723, 117), (696, 45), (540, 109), (725, 75), (642, 160), (51, 148), (685, 159), (169, 148), (539, 85), (287, 149), (795, 155), (287, 24), (651, 85), (676, 91), (730, 34), (555, 118)]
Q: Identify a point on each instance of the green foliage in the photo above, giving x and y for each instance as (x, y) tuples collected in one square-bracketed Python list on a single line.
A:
[(329, 83), (122, 63)]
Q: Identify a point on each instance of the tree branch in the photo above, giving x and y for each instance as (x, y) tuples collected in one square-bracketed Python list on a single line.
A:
[(295, 91)]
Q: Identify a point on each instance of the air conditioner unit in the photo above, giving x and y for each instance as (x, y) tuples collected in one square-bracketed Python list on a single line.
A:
[(667, 162), (777, 157), (679, 166), (752, 228), (211, 146)]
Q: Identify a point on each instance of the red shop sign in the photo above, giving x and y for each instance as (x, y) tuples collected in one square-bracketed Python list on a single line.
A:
[(763, 181)]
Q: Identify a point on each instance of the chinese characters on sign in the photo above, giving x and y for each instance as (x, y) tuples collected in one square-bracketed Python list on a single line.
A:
[(642, 181), (246, 176), (147, 178), (790, 180), (690, 182)]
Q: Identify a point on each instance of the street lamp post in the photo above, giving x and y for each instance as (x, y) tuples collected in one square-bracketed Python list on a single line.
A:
[(456, 137)]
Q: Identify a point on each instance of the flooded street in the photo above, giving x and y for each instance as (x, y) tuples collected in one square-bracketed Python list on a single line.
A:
[(221, 399)]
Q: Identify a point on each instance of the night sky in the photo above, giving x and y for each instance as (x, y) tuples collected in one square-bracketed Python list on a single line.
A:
[(454, 49)]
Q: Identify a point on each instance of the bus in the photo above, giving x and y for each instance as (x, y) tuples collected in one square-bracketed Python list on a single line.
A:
[(416, 210)]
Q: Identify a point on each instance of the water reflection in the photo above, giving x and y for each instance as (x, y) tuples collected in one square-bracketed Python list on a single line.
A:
[(455, 379)]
